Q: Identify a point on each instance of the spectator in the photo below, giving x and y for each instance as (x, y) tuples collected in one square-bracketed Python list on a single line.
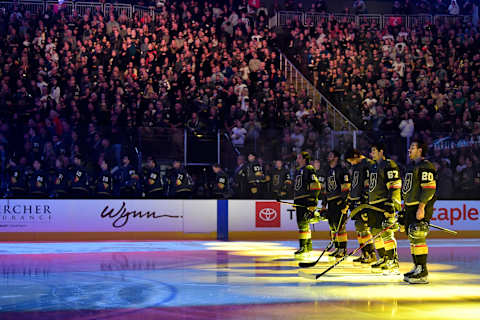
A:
[(445, 179), (297, 139), (359, 7), (453, 8), (406, 126), (238, 134)]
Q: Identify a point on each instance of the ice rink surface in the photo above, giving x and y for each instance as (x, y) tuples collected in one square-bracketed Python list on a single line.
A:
[(227, 280)]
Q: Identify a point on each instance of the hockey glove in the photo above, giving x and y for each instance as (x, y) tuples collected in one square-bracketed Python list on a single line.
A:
[(390, 211), (364, 216), (401, 218)]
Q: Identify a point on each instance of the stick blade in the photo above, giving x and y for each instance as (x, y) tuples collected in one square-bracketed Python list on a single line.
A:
[(308, 264), (310, 276)]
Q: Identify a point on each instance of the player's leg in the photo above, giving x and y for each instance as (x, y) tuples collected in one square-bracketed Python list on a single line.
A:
[(341, 235), (364, 236), (391, 258), (333, 225), (390, 264), (375, 224), (417, 234), (304, 234), (409, 219)]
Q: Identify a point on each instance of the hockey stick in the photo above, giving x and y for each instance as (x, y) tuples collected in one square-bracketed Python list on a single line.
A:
[(329, 246), (313, 263), (293, 204), (364, 206), (314, 276), (369, 206), (300, 206), (452, 232)]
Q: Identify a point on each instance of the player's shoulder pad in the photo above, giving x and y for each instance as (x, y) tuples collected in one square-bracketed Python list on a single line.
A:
[(392, 164), (310, 167), (368, 162), (427, 164)]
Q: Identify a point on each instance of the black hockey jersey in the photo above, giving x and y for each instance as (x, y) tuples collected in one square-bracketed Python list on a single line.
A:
[(335, 183), (306, 183), (385, 183), (38, 183), (255, 173), (281, 180), (419, 184), (153, 181), (221, 185), (359, 183), (79, 179), (17, 179), (104, 183), (58, 182), (180, 181)]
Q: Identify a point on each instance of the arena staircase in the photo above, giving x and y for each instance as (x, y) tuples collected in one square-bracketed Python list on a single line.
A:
[(337, 120)]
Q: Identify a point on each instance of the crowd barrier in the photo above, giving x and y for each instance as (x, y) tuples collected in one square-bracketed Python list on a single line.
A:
[(75, 220), (284, 18), (281, 18), (80, 7)]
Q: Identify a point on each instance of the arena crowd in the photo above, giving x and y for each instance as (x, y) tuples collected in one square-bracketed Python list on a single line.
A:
[(79, 91)]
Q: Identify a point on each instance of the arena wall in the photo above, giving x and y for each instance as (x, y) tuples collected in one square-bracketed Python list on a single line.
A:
[(84, 220)]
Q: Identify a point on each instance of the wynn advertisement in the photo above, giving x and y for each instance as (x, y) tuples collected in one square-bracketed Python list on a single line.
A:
[(106, 216)]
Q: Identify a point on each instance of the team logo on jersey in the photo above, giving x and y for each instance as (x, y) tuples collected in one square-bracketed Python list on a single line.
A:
[(373, 181), (59, 179), (298, 182), (407, 185), (355, 179), (332, 183), (276, 180)]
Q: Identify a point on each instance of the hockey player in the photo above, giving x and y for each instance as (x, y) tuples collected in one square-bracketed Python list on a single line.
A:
[(153, 180), (180, 182), (336, 185), (384, 193), (359, 195), (38, 181), (17, 179), (79, 184), (104, 181), (419, 197), (306, 191), (221, 186), (255, 176), (58, 180), (281, 180), (128, 179)]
